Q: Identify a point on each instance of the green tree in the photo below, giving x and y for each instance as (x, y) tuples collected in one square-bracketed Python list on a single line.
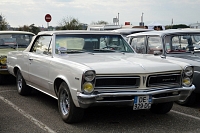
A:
[(34, 29), (69, 23), (176, 26), (3, 23), (31, 28)]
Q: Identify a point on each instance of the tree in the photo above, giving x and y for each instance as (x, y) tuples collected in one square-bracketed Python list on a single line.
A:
[(3, 23), (176, 26), (32, 28), (69, 23), (101, 22)]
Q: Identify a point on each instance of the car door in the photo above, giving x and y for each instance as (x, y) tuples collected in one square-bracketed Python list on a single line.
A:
[(40, 57)]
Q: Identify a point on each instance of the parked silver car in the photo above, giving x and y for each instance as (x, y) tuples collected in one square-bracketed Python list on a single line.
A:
[(177, 44)]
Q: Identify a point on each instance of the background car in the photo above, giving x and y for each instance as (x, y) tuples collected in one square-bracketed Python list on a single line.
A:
[(11, 41), (127, 31), (84, 68), (177, 44)]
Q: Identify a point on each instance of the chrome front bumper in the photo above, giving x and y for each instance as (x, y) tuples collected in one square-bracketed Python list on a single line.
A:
[(158, 96)]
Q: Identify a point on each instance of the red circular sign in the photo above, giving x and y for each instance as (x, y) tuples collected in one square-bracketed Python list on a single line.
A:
[(47, 17)]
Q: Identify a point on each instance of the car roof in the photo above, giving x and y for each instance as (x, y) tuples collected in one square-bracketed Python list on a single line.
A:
[(131, 30), (16, 32), (166, 32), (76, 32)]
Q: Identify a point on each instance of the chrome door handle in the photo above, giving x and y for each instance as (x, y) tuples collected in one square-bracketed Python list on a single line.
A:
[(30, 59)]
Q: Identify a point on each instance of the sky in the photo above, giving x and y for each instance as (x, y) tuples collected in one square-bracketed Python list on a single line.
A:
[(26, 12)]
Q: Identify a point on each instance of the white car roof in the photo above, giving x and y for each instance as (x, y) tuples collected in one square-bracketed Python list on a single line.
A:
[(166, 32), (76, 32), (17, 32)]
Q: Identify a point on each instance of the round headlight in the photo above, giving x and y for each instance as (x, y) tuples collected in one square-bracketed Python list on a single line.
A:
[(3, 60), (188, 71), (187, 81), (88, 87), (89, 75)]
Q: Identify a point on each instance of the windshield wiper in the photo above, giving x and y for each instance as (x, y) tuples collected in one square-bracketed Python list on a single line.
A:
[(75, 51), (104, 50)]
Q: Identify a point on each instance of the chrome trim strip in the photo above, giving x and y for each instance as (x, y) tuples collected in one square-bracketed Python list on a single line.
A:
[(120, 87), (113, 77), (137, 93)]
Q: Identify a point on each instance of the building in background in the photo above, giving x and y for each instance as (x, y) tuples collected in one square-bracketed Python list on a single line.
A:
[(195, 25)]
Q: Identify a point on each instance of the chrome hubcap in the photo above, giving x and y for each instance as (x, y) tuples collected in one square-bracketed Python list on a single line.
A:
[(19, 82), (64, 102)]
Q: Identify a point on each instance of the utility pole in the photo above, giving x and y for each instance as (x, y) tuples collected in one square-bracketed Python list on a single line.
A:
[(118, 18), (0, 21), (142, 18)]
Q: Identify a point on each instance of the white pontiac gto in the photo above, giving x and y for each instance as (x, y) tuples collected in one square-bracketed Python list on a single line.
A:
[(87, 68)]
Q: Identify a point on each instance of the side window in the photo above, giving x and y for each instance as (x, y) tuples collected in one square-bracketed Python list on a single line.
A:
[(138, 44), (154, 44), (42, 45), (181, 42)]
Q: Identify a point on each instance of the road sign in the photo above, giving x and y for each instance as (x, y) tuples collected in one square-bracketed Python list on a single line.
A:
[(47, 17)]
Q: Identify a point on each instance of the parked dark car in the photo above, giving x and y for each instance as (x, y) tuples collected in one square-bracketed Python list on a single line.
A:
[(178, 44)]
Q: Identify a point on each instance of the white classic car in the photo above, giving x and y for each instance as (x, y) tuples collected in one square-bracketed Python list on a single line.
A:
[(88, 68), (10, 41)]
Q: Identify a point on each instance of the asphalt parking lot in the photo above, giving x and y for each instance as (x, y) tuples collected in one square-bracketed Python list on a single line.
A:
[(38, 113)]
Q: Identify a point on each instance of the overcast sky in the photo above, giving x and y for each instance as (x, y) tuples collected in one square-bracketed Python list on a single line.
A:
[(27, 12)]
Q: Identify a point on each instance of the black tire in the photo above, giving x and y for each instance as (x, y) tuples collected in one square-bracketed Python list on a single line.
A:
[(161, 108), (22, 88), (1, 79), (189, 101), (67, 109)]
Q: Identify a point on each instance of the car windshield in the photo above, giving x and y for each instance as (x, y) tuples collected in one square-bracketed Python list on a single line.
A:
[(182, 43), (96, 43), (14, 40)]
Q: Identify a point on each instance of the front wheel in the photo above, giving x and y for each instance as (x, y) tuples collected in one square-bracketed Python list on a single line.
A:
[(68, 111), (161, 108), (22, 88)]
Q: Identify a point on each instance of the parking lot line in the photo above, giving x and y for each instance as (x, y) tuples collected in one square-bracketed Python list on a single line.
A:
[(187, 115), (31, 118)]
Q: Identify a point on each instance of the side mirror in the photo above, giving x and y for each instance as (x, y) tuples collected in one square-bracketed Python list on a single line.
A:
[(157, 52)]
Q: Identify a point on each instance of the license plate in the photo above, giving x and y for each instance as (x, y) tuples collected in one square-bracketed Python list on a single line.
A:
[(142, 102)]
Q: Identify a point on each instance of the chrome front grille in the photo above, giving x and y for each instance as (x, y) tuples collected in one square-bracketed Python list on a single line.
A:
[(115, 82), (173, 79)]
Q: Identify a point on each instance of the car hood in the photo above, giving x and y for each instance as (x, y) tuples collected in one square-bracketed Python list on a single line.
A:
[(191, 58), (124, 63)]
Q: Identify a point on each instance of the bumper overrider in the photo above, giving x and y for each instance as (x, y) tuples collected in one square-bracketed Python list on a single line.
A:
[(127, 98)]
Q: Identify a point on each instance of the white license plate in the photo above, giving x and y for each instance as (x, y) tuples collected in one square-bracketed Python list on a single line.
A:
[(142, 102)]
